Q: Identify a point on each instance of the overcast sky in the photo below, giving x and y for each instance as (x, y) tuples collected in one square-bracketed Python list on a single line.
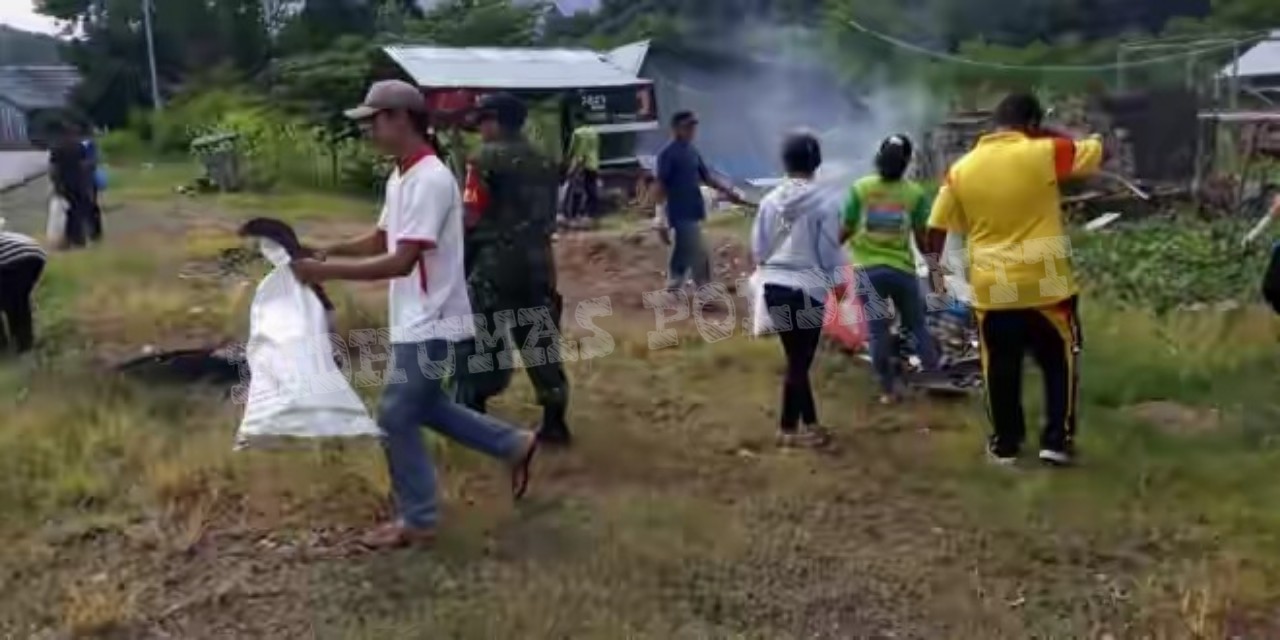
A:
[(21, 14)]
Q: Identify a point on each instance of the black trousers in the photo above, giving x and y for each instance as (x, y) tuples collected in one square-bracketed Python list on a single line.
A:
[(1052, 336), (797, 318), (95, 216), (17, 281), (582, 199), (591, 183), (84, 217)]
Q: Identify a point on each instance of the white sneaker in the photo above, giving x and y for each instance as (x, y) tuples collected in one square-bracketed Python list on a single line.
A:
[(1000, 461), (1056, 458)]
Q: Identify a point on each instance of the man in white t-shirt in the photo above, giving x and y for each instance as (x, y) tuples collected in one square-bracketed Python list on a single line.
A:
[(417, 247)]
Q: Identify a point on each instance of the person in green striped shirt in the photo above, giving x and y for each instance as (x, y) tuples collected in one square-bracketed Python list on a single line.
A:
[(884, 212)]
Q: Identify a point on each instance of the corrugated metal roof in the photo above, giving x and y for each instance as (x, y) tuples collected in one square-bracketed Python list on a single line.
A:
[(630, 57), (1262, 60), (37, 87), (513, 68)]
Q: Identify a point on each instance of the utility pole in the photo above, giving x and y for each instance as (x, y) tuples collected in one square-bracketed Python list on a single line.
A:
[(1234, 98), (151, 55)]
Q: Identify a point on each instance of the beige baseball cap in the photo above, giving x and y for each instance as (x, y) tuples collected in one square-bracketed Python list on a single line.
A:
[(386, 95)]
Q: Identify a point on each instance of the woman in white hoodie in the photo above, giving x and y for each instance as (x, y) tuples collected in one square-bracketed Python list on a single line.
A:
[(796, 248)]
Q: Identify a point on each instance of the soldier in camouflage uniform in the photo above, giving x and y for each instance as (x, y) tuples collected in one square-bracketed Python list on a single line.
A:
[(510, 195)]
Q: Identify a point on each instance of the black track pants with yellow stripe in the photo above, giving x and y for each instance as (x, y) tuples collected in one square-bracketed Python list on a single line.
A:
[(1052, 336)]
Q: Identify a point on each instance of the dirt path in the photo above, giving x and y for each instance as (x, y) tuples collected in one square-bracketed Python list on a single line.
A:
[(17, 167), (24, 208)]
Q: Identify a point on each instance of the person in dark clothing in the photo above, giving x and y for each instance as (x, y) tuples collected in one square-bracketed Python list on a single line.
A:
[(21, 263), (796, 247), (510, 198), (72, 181), (85, 134)]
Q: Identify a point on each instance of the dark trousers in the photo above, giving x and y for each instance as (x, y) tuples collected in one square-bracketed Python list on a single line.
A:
[(591, 184), (902, 288), (582, 199), (1052, 335), (490, 374), (84, 217), (17, 281), (797, 318), (79, 217), (94, 221)]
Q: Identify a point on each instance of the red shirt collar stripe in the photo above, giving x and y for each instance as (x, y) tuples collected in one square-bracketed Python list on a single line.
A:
[(406, 163)]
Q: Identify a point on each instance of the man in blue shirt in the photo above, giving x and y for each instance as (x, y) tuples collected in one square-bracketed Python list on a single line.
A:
[(680, 176)]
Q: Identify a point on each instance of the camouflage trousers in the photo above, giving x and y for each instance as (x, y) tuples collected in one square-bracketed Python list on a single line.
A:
[(526, 322)]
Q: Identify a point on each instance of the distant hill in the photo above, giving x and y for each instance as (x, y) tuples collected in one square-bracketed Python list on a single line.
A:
[(23, 47)]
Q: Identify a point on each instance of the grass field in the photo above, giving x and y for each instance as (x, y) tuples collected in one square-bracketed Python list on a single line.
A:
[(127, 514)]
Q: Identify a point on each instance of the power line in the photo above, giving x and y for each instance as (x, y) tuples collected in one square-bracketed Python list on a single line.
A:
[(1064, 68)]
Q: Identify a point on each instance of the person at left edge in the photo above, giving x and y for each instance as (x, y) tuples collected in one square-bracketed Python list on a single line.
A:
[(21, 263), (417, 248), (510, 196)]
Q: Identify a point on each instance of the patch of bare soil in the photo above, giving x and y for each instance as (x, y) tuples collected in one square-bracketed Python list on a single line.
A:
[(1178, 419), (624, 266)]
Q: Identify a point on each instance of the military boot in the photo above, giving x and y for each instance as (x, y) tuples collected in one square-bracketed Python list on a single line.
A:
[(554, 431)]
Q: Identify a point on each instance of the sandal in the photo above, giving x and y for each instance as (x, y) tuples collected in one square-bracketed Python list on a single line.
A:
[(811, 437), (520, 471), (395, 535)]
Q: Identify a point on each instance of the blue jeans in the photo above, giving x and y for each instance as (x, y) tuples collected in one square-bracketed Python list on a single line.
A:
[(903, 289), (421, 400), (688, 255)]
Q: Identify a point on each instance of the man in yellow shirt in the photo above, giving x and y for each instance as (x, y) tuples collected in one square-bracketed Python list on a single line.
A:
[(584, 170), (1003, 195)]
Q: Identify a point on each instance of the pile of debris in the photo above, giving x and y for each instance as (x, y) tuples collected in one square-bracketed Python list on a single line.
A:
[(1148, 171)]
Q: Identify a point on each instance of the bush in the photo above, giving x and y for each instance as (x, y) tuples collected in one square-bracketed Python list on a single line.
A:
[(360, 168), (122, 143), (191, 115), (276, 148), (1163, 264)]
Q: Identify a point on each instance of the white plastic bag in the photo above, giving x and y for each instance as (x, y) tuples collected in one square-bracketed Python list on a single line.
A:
[(659, 219), (55, 231), (761, 323), (296, 390)]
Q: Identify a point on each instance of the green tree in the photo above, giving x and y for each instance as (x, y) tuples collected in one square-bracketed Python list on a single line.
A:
[(1246, 14), (191, 37), (463, 23)]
